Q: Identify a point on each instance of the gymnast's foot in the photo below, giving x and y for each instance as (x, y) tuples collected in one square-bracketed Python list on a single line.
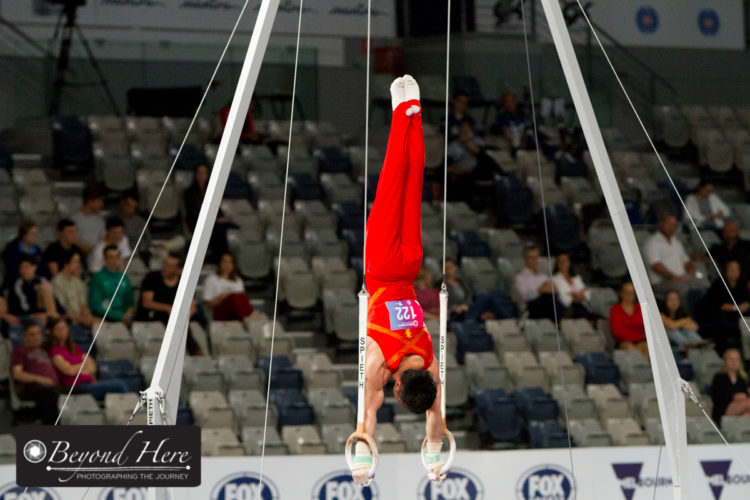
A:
[(397, 92), (411, 93)]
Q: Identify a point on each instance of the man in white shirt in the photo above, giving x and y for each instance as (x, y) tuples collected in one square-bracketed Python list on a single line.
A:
[(706, 208), (115, 235), (670, 267), (536, 290)]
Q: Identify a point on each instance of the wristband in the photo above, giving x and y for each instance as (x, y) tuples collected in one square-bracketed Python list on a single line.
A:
[(432, 457)]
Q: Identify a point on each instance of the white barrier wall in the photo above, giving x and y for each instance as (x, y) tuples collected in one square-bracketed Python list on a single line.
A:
[(600, 474)]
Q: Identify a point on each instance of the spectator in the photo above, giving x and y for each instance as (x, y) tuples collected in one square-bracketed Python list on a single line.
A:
[(224, 292), (716, 312), (71, 292), (115, 235), (458, 295), (670, 267), (706, 208), (133, 221), (73, 367), (732, 248), (427, 295), (571, 291), (682, 330), (67, 241), (468, 162), (248, 134), (8, 321), (104, 293), (194, 195), (25, 244), (458, 114), (88, 220), (510, 121), (729, 389), (158, 292), (626, 322), (34, 376), (535, 289), (30, 295)]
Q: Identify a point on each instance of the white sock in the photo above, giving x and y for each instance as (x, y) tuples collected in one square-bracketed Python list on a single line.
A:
[(397, 92), (411, 92)]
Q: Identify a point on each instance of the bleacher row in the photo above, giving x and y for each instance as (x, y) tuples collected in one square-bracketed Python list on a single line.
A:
[(502, 377)]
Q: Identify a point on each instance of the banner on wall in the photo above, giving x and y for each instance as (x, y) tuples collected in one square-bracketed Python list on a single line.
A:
[(620, 473), (705, 24), (190, 19)]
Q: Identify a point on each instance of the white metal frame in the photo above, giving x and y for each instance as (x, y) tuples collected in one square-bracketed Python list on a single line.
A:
[(163, 393), (666, 377)]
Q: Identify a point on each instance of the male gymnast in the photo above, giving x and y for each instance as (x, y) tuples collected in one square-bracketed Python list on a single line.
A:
[(398, 344)]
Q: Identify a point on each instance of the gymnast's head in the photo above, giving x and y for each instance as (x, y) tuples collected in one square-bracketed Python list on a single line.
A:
[(415, 390)]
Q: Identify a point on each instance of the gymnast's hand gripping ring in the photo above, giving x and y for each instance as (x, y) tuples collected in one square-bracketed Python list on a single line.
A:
[(448, 463), (362, 436)]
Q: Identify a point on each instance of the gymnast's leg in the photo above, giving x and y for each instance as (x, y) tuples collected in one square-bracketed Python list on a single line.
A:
[(394, 237)]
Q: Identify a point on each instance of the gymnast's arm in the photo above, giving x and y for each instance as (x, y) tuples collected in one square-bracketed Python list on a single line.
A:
[(374, 382), (434, 420)]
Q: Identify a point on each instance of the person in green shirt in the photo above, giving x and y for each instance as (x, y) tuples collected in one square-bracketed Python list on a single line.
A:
[(103, 284)]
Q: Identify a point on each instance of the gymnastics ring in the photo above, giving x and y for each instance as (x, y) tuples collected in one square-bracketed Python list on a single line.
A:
[(451, 455), (361, 436)]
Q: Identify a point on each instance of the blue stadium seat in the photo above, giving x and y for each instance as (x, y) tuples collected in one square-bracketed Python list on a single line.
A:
[(564, 228), (184, 414), (349, 215), (599, 368), (566, 165), (497, 415), (124, 370), (332, 160), (372, 186), (237, 188), (534, 404), (547, 434), (386, 413), (287, 378), (190, 157), (354, 240), (279, 363), (515, 201), (292, 406), (470, 337), (470, 244), (686, 371), (305, 187)]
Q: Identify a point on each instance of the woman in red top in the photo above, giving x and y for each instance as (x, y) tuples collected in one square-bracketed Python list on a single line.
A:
[(399, 346), (626, 322)]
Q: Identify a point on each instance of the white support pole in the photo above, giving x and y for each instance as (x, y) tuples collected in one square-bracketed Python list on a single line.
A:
[(165, 384), (364, 298), (443, 346), (666, 377)]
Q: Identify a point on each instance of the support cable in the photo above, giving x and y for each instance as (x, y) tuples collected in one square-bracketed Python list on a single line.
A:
[(281, 247), (546, 232)]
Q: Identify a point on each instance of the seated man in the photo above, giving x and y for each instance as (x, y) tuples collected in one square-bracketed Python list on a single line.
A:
[(67, 241), (670, 268), (102, 287), (397, 346), (34, 376), (30, 295), (536, 290), (114, 235), (158, 291)]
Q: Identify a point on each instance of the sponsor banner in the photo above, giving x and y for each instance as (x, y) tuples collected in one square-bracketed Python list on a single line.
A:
[(178, 19), (617, 473), (108, 455), (704, 24)]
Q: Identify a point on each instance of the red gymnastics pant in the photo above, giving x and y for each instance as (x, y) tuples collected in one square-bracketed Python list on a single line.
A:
[(394, 227)]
